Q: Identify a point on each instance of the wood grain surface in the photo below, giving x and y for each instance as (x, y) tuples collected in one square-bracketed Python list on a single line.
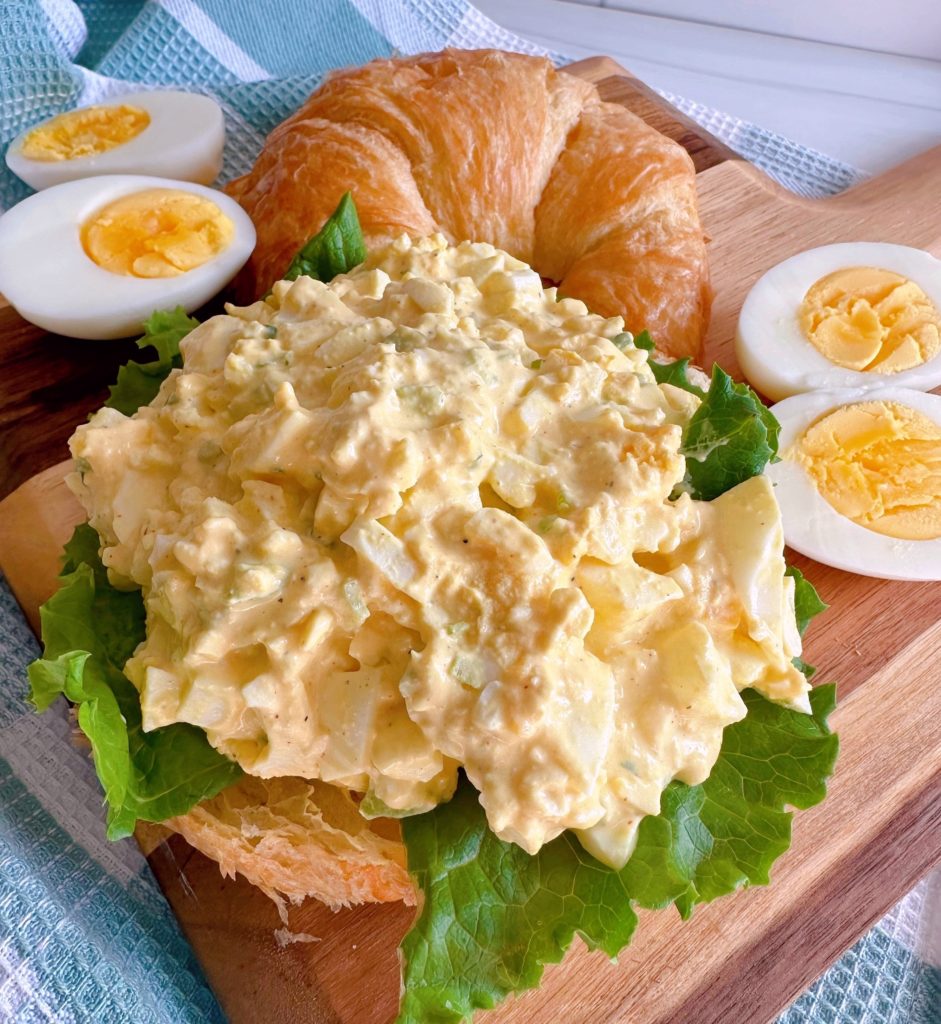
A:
[(740, 960)]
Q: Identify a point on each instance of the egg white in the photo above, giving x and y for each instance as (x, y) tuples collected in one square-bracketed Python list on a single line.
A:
[(184, 140), (813, 526), (774, 353), (49, 279)]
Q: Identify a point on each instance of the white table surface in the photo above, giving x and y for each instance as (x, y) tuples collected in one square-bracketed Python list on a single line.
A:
[(856, 79)]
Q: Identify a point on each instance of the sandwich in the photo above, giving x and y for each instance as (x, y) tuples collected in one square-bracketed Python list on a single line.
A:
[(417, 579)]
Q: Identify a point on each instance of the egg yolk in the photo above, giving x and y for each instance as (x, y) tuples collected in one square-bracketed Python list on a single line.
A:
[(879, 464), (160, 232), (869, 319), (84, 133)]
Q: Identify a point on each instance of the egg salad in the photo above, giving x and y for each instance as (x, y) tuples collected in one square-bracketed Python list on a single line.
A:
[(424, 517)]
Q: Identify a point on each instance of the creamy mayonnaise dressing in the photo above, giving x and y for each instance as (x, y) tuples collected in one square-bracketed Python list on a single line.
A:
[(418, 518)]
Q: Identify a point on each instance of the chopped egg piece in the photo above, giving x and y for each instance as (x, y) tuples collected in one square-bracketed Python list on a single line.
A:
[(865, 318), (158, 232), (84, 132), (853, 314), (420, 518), (859, 483), (879, 464)]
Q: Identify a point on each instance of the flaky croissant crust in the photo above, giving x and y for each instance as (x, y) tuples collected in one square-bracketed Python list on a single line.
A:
[(294, 839), (494, 147)]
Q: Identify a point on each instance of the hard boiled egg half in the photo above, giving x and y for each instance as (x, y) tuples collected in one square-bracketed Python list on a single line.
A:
[(856, 314), (859, 481), (172, 134), (94, 258)]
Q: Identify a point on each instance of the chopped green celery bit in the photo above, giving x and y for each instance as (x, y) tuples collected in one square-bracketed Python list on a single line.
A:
[(468, 669), (354, 597), (424, 399), (372, 807)]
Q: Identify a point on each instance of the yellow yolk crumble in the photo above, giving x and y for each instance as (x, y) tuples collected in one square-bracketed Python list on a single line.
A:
[(86, 132), (879, 464), (159, 232), (869, 319)]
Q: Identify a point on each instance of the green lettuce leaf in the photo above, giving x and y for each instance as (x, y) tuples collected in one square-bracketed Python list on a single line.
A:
[(494, 916), (664, 373), (771, 759), (138, 383), (645, 341), (729, 439), (802, 666), (89, 630), (807, 605), (675, 373), (807, 602), (336, 248)]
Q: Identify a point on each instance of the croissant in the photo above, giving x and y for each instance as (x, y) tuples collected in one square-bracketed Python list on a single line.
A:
[(295, 838), (480, 145), (495, 147)]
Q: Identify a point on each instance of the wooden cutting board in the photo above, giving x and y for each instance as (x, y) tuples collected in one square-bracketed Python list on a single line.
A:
[(740, 960)]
